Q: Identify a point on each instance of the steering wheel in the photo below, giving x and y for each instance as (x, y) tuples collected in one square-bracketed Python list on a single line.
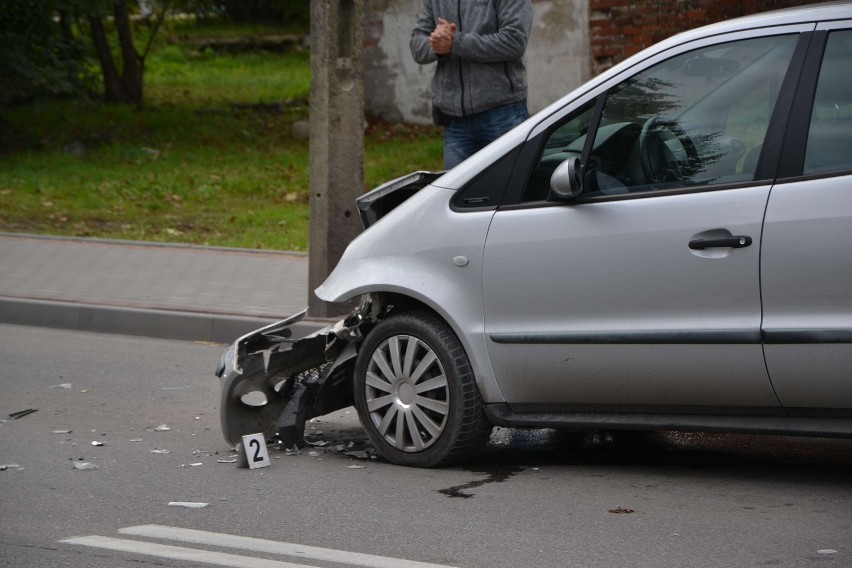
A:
[(659, 162)]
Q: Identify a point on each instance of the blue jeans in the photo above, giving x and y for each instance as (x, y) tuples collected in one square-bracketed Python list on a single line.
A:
[(466, 135)]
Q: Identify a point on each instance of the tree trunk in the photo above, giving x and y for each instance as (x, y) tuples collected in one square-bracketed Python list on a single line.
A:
[(131, 76), (113, 89)]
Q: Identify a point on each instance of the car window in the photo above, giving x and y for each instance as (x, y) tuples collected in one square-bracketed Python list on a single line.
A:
[(696, 119), (830, 133), (566, 141)]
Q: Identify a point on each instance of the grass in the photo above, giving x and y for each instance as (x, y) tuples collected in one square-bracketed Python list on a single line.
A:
[(192, 166)]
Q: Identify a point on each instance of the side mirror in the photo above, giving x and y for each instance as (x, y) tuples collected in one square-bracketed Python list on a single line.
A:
[(566, 182)]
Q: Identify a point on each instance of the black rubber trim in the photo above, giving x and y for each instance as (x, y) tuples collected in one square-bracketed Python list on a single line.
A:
[(486, 190), (779, 124), (678, 337), (686, 337), (795, 134), (807, 336)]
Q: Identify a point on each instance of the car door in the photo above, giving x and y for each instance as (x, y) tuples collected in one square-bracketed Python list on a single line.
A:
[(643, 294), (806, 269)]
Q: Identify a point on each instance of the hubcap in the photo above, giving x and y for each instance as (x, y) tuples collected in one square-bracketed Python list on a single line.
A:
[(407, 393)]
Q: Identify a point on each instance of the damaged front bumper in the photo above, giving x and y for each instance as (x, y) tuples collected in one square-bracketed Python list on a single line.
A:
[(272, 384)]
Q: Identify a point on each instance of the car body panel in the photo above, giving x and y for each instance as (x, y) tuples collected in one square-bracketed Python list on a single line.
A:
[(605, 303), (806, 276)]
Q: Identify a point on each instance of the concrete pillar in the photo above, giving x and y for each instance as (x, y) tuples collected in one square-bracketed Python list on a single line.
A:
[(337, 139)]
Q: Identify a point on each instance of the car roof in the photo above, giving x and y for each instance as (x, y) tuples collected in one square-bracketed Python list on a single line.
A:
[(822, 12)]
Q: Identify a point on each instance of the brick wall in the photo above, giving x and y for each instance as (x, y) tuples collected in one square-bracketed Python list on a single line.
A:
[(620, 28)]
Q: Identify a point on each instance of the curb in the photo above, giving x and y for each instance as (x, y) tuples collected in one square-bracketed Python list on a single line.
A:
[(163, 324)]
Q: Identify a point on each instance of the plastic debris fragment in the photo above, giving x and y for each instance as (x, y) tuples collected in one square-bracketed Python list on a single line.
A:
[(98, 444), (160, 452), (6, 466), (66, 386), (85, 465), (355, 466), (22, 413), (827, 551), (358, 454), (136, 439), (60, 431), (187, 504), (196, 464), (231, 460), (162, 428)]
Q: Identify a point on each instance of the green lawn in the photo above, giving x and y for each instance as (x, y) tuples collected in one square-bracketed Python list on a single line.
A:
[(193, 166)]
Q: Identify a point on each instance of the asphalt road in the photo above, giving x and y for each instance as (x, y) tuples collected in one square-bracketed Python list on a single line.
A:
[(534, 498)]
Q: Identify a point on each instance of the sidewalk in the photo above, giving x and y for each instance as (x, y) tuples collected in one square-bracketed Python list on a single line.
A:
[(152, 289)]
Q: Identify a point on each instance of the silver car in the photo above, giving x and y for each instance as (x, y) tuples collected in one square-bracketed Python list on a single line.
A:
[(668, 247)]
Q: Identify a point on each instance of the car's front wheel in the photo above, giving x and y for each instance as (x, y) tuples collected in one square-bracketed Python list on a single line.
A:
[(415, 392)]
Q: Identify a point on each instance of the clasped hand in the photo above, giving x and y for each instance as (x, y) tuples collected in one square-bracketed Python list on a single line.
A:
[(441, 40)]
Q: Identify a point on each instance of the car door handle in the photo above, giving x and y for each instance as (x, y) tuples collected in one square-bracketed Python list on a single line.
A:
[(727, 242)]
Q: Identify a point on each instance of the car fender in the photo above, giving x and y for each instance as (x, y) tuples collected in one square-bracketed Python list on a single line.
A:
[(425, 250)]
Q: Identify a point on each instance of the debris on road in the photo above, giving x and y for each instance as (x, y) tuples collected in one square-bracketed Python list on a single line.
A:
[(98, 444), (161, 451), (621, 511), (355, 466), (188, 505), (6, 466), (85, 465), (60, 431), (22, 413), (66, 386), (162, 428)]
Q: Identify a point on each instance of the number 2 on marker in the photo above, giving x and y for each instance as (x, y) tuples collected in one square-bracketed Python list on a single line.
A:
[(256, 452)]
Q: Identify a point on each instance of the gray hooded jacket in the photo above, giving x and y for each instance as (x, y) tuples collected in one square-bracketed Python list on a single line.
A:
[(484, 69)]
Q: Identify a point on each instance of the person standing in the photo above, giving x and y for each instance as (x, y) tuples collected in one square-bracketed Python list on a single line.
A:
[(479, 89)]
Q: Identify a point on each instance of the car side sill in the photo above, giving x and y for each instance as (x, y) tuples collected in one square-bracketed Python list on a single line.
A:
[(502, 415)]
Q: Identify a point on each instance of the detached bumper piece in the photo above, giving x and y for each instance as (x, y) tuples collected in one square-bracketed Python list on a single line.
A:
[(273, 384)]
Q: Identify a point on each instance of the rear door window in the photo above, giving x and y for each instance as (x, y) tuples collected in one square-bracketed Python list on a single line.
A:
[(829, 146)]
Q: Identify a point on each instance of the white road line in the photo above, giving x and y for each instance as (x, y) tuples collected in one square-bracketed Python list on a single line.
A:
[(180, 553), (273, 547)]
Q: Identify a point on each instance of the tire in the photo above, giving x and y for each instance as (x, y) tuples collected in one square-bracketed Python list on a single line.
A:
[(415, 393)]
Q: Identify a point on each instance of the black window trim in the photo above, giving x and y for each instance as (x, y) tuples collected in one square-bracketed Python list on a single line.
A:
[(793, 138)]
